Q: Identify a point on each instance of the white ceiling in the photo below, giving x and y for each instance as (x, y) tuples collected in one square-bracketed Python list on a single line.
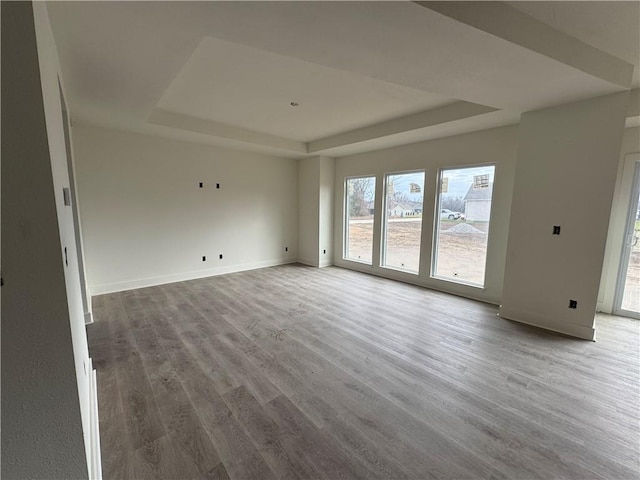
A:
[(609, 26), (253, 89), (367, 75)]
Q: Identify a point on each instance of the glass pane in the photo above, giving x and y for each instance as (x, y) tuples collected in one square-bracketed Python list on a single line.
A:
[(361, 194), (403, 220), (631, 293), (464, 208)]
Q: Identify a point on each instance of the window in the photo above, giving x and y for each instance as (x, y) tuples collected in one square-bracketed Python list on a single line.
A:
[(464, 213), (403, 220), (360, 199)]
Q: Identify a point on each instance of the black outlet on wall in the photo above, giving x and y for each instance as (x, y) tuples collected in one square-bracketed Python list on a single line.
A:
[(220, 256), (286, 249), (204, 258), (573, 304), (217, 185), (556, 229), (324, 251), (201, 185)]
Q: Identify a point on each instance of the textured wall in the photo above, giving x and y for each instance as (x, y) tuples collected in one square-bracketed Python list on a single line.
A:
[(42, 434)]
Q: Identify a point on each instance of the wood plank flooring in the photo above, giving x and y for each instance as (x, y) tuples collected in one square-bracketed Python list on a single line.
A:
[(298, 373)]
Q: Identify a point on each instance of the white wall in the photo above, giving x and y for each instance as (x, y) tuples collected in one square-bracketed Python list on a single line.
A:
[(498, 146), (146, 222), (308, 210), (326, 204), (566, 170), (316, 177), (45, 374), (617, 223)]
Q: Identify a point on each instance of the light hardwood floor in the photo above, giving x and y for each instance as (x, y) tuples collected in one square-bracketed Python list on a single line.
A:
[(294, 372)]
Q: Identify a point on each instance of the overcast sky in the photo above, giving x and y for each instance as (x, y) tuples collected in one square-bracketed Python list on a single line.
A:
[(460, 179)]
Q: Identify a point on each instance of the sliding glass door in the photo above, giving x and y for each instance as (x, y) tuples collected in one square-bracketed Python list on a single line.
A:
[(627, 299)]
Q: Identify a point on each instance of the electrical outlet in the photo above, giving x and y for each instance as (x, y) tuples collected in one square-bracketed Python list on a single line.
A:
[(324, 251), (201, 185), (286, 249), (220, 256), (573, 304), (556, 229), (217, 185), (204, 258)]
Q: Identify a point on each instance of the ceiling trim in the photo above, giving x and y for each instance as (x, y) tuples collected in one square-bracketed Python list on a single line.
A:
[(218, 129), (448, 113), (378, 132), (453, 119)]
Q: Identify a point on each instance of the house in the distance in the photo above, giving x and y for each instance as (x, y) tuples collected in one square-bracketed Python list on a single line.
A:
[(477, 203), (401, 210)]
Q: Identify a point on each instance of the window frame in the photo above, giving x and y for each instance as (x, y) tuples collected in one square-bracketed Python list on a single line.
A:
[(436, 226), (345, 215), (383, 232)]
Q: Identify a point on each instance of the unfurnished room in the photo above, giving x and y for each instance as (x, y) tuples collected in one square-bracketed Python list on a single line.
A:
[(320, 240)]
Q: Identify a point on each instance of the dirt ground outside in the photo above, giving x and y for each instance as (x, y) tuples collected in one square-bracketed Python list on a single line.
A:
[(461, 255)]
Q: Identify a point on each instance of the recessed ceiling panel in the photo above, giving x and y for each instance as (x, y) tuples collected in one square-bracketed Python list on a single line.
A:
[(283, 96)]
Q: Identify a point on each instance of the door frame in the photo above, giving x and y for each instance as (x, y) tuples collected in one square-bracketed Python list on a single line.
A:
[(626, 250)]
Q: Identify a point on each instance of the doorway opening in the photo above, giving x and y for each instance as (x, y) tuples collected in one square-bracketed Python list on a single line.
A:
[(627, 296)]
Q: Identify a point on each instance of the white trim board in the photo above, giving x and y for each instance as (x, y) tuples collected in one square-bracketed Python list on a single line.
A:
[(308, 261), (95, 466), (536, 320), (315, 263), (325, 263), (181, 277), (429, 283)]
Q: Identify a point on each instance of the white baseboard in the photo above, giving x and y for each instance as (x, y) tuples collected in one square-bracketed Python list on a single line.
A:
[(457, 289), (95, 465), (308, 261), (314, 262), (181, 277), (537, 320)]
